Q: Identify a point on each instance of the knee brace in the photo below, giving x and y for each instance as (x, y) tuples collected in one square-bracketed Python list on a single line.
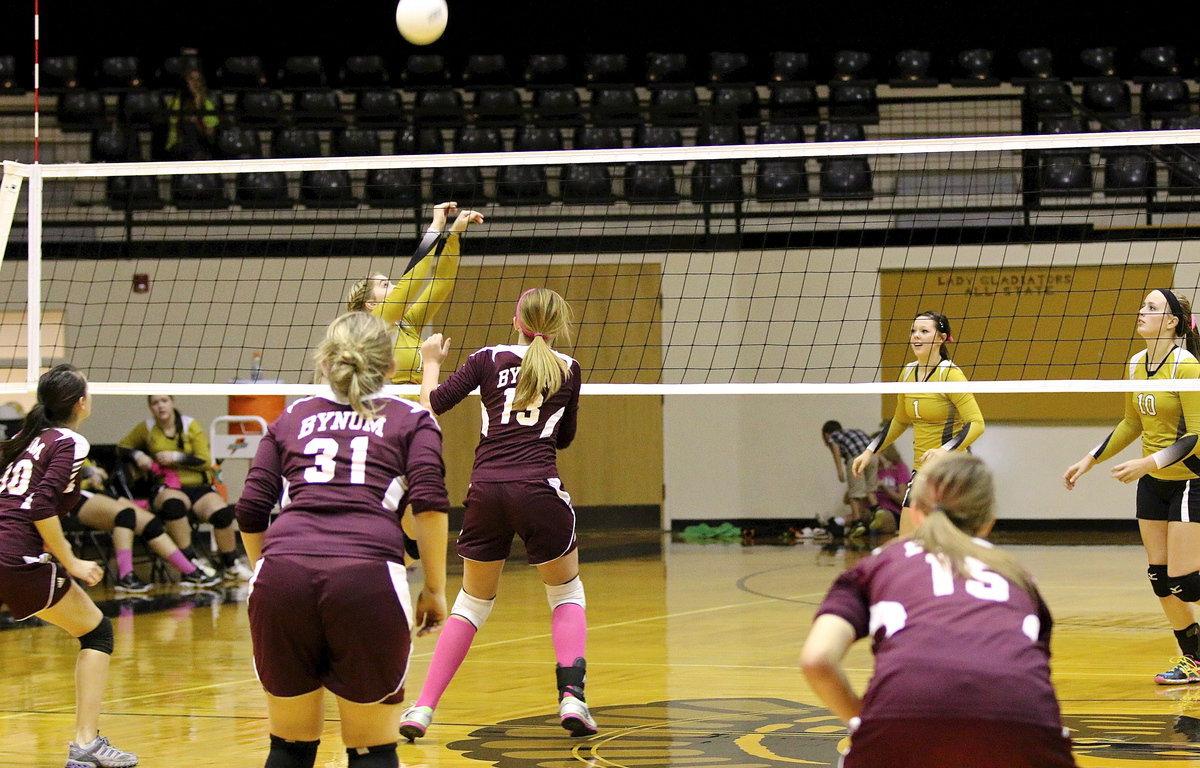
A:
[(99, 639), (173, 509), (291, 754), (561, 594), (381, 756), (153, 530), (1185, 587), (1158, 580), (222, 518), (126, 518), (472, 609)]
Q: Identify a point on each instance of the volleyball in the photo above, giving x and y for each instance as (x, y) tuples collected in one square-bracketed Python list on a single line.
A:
[(421, 21)]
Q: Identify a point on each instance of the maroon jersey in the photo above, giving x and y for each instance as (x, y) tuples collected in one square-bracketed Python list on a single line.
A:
[(946, 646), (342, 481), (40, 483), (514, 445)]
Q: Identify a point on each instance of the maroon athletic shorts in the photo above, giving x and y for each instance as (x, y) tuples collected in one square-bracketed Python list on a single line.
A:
[(27, 588), (539, 511), (341, 623), (957, 743)]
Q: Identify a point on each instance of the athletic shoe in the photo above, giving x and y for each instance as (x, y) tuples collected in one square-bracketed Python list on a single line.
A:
[(204, 566), (415, 721), (131, 583), (574, 715), (99, 754), (199, 579), (239, 571), (857, 531), (1186, 670), (883, 522)]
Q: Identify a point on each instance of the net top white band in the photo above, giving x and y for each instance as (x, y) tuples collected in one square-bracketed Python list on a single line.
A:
[(627, 155)]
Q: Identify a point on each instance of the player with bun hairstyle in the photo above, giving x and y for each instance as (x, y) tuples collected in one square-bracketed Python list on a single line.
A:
[(1167, 512), (961, 639), (40, 484), (329, 603), (411, 303), (530, 395), (940, 422)]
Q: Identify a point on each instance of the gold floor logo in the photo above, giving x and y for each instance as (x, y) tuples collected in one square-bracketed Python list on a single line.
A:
[(774, 733), (689, 733), (1127, 741)]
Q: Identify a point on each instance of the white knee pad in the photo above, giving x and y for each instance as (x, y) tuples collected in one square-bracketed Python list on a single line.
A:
[(472, 609), (571, 592)]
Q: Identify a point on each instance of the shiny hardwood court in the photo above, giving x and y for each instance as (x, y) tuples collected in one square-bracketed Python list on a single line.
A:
[(692, 662)]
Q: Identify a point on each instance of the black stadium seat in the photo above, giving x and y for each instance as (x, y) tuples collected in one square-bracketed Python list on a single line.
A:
[(590, 183), (652, 182), (718, 181), (526, 184), (844, 178), (780, 178)]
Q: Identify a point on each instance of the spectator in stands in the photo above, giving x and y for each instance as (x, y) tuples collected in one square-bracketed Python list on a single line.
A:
[(175, 448), (102, 509), (191, 120), (845, 444)]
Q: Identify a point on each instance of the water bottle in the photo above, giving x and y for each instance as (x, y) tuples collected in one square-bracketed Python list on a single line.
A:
[(255, 367)]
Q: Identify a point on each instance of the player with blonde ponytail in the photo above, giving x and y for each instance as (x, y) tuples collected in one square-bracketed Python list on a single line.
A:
[(961, 639), (330, 607), (530, 396)]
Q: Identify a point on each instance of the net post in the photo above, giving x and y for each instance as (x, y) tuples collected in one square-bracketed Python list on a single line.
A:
[(33, 362)]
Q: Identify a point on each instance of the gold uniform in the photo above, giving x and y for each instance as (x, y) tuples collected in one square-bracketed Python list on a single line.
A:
[(149, 438), (938, 420), (1167, 421), (414, 301)]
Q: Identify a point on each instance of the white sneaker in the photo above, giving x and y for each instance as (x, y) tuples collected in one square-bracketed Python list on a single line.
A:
[(575, 717), (99, 754), (204, 566), (239, 571), (415, 721)]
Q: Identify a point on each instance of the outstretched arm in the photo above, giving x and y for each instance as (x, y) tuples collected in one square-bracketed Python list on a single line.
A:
[(437, 291)]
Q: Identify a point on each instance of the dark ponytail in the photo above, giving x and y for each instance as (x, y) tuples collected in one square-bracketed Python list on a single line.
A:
[(58, 390), (943, 326), (1185, 329)]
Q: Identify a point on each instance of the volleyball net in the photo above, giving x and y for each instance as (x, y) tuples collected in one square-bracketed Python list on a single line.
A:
[(765, 267)]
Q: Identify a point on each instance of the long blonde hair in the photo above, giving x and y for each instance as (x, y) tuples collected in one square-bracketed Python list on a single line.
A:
[(956, 493), (355, 358), (542, 316)]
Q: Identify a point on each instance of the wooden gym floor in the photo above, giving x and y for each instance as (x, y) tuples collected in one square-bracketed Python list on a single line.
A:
[(692, 662)]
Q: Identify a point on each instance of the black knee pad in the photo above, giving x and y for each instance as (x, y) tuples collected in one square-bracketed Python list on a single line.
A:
[(1158, 580), (1186, 587), (381, 756), (173, 509), (99, 639), (291, 754), (153, 530), (222, 518), (126, 518)]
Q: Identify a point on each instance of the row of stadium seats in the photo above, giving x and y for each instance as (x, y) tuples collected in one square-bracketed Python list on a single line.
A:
[(711, 182), (607, 105), (1126, 171), (498, 106), (909, 68)]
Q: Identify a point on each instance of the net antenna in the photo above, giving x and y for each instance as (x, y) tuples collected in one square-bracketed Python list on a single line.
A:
[(674, 294)]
